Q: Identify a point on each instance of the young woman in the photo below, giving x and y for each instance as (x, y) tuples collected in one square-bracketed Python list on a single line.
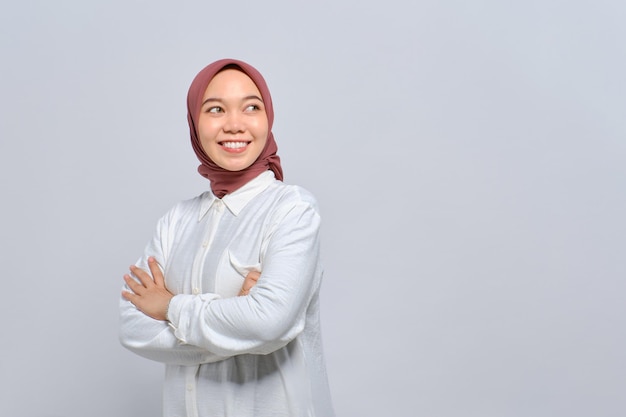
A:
[(227, 291)]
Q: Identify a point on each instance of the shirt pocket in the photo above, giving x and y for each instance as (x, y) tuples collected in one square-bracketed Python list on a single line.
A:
[(232, 273)]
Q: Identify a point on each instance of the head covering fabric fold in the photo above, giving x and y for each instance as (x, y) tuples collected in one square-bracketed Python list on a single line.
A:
[(223, 181)]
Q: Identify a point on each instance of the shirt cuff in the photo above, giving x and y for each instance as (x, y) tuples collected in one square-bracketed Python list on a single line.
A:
[(178, 312)]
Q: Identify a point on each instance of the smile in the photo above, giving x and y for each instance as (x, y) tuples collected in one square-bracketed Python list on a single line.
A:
[(234, 145)]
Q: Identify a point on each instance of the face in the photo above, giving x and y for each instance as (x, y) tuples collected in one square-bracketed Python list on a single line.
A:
[(232, 126)]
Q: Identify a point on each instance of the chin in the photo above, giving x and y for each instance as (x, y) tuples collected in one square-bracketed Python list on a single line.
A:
[(235, 167)]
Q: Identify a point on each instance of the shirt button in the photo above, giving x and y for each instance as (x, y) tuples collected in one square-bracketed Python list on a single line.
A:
[(189, 387), (205, 244), (195, 291)]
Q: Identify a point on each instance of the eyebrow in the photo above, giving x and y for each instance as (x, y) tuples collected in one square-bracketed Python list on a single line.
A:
[(251, 97)]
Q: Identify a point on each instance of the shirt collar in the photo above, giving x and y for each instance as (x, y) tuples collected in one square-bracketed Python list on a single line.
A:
[(238, 199)]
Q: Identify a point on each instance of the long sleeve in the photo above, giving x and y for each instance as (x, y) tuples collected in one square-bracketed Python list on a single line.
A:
[(150, 338), (258, 354), (274, 312)]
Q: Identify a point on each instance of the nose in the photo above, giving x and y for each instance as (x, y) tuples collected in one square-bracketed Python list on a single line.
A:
[(234, 123)]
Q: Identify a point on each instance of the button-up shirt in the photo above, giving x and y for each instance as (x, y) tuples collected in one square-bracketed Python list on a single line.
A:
[(227, 355)]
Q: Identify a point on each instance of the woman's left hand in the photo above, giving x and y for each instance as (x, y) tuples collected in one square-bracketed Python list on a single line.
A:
[(249, 282), (149, 295)]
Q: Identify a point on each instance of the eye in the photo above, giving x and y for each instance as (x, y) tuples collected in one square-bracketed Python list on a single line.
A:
[(252, 107), (214, 109)]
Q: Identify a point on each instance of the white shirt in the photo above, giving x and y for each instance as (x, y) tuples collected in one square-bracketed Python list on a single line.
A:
[(256, 355)]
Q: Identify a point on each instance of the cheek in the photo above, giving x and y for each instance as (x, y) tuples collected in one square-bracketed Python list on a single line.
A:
[(206, 130), (262, 129)]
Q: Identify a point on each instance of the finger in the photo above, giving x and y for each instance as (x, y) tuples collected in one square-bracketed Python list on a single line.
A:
[(253, 276), (142, 275), (129, 296), (245, 288), (250, 280), (157, 275), (133, 285), (247, 285)]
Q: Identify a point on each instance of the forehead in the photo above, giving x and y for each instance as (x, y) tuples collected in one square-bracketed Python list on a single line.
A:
[(231, 82)]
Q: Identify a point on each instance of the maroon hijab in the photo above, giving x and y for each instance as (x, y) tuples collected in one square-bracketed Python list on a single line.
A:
[(223, 181)]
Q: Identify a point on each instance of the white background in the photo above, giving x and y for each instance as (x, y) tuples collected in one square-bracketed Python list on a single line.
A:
[(469, 159)]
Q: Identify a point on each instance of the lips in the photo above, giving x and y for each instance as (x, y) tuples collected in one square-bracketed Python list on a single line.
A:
[(234, 146)]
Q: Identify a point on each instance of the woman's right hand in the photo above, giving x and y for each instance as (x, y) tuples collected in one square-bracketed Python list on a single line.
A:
[(249, 282)]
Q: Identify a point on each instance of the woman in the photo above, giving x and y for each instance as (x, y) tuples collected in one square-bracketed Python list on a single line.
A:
[(227, 291)]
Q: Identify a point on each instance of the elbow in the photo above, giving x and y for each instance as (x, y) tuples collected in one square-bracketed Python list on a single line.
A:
[(127, 341), (273, 338), (281, 332), (273, 331)]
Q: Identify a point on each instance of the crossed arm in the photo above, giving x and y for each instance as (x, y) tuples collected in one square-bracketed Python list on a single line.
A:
[(205, 328), (151, 296)]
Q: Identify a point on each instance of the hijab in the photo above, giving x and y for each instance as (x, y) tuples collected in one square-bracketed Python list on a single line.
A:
[(223, 181)]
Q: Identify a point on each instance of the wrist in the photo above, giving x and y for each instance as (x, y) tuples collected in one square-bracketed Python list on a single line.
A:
[(167, 309)]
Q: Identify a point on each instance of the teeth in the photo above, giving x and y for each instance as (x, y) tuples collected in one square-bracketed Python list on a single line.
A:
[(235, 145)]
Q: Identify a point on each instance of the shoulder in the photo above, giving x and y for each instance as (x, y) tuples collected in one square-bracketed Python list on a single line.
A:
[(290, 206), (292, 195)]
